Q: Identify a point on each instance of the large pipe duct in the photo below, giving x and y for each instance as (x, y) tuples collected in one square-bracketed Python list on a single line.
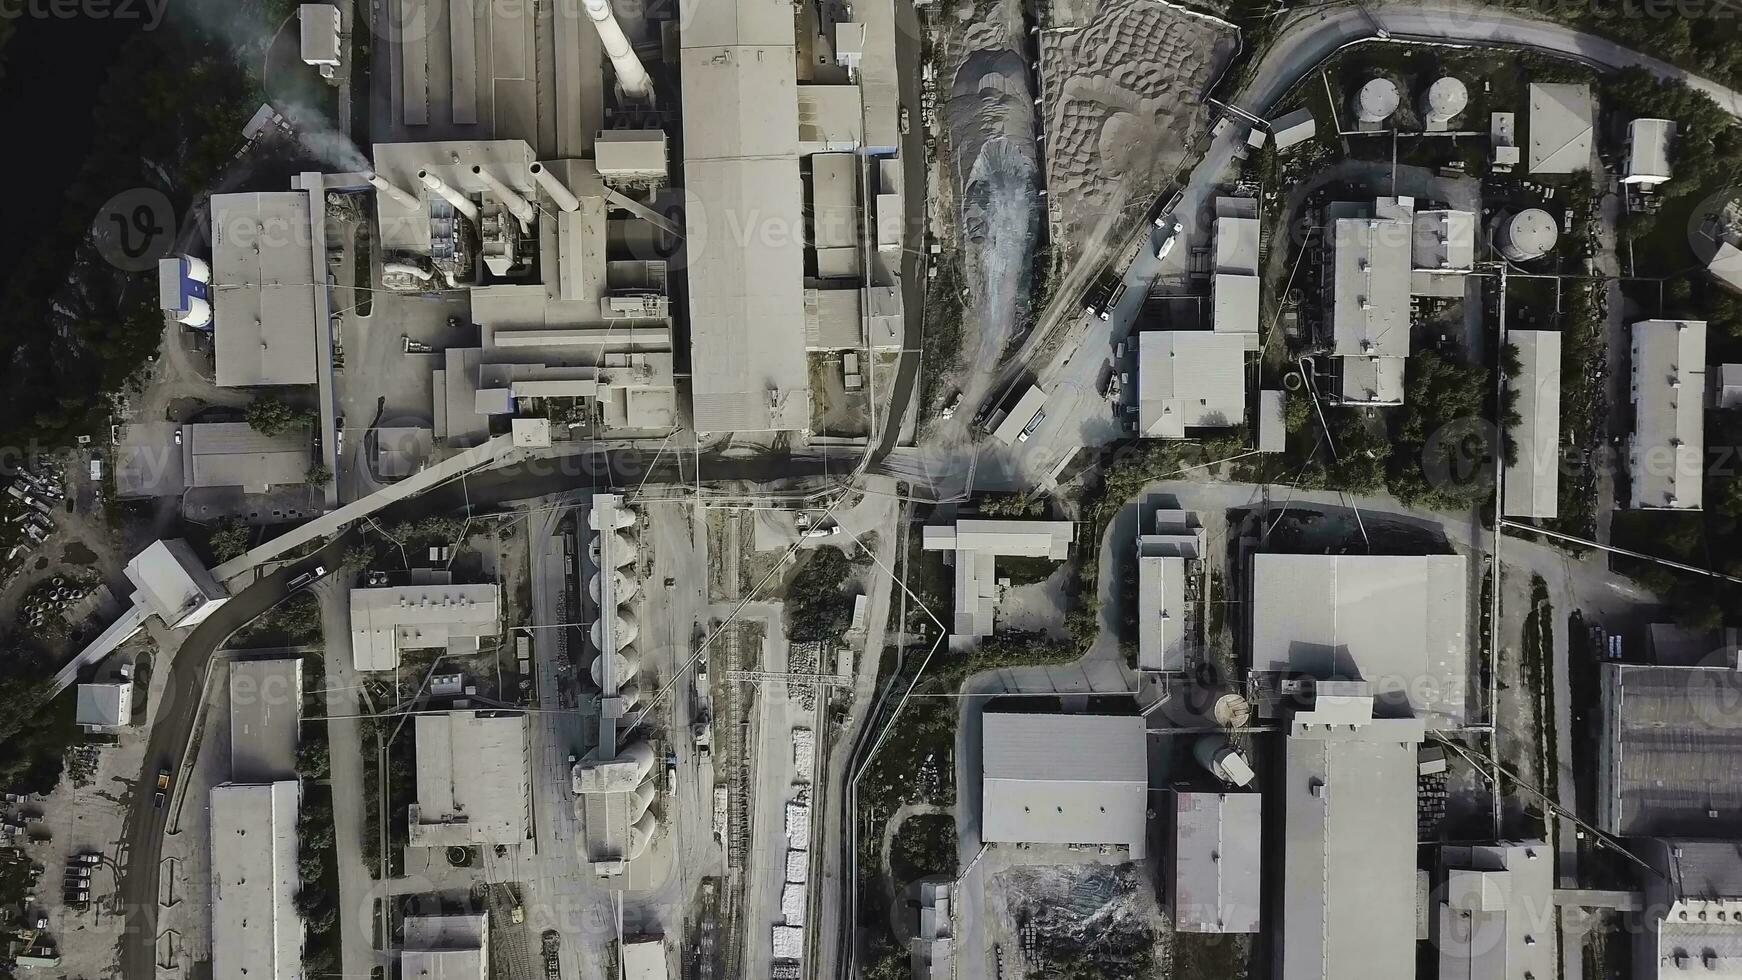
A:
[(384, 186), (461, 202), (631, 77), (563, 197), (511, 200)]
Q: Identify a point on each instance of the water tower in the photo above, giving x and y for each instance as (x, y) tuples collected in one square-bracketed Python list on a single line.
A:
[(1529, 234)]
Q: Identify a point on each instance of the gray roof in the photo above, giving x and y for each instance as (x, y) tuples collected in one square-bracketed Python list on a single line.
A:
[(472, 783), (630, 152), (1291, 128), (1560, 124), (389, 619), (1370, 380), (834, 201), (976, 544), (1065, 779), (1443, 241), (829, 119), (1189, 380), (446, 947), (1672, 751), (105, 705), (1497, 912), (1693, 918), (171, 582), (263, 290), (1161, 612), (1348, 878), (256, 930), (1215, 856), (1666, 453), (1533, 480), (235, 454), (1648, 143), (265, 699), (1370, 283), (1020, 415), (833, 320), (1398, 622), (1272, 424)]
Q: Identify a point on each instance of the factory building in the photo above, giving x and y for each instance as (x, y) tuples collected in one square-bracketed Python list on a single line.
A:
[(1691, 925), (1666, 452), (1399, 622), (472, 783), (170, 582), (1532, 488), (266, 329), (1348, 898), (1369, 280), (256, 929), (420, 616), (105, 706), (1667, 765), (1065, 779), (237, 455), (1214, 862), (1293, 128), (446, 947), (319, 28), (1189, 380), (973, 546), (1234, 286), (932, 950), (1496, 917), (1648, 149), (1561, 121), (265, 698), (1442, 252), (1167, 566)]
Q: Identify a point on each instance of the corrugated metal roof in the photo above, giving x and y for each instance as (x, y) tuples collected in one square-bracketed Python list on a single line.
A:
[(1065, 779), (1533, 479), (1216, 852), (1673, 758), (1666, 453)]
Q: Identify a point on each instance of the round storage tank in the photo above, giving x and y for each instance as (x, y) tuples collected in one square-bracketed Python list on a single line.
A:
[(1376, 101), (1225, 762), (1232, 711), (1445, 99), (1527, 235)]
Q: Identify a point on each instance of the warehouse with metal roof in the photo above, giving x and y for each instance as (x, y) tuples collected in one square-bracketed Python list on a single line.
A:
[(235, 454), (1065, 779), (1691, 925), (256, 930), (1496, 916), (472, 782), (263, 290), (1370, 283), (1648, 142), (1397, 622), (389, 619), (446, 947), (1532, 486), (1189, 380), (1234, 286), (1166, 560), (1560, 124), (1670, 763), (1214, 883), (265, 698), (1666, 452)]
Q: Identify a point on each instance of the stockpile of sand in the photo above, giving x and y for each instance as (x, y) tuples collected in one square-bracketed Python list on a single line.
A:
[(1122, 101)]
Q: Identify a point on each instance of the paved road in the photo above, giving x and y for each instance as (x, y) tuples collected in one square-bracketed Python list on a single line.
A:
[(143, 832)]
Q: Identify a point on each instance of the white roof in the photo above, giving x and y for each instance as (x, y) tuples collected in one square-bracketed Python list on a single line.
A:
[(1272, 424), (877, 75), (1215, 858), (263, 289), (829, 119), (1443, 241), (1020, 415), (1397, 622), (472, 784), (1370, 380), (1031, 539), (171, 583), (630, 153), (1161, 612), (1533, 480), (1560, 127), (416, 617), (106, 705), (1496, 917), (1666, 453), (1189, 379), (1237, 244), (319, 33), (746, 253), (446, 947), (644, 960), (1648, 142), (1370, 273), (265, 698), (1065, 779), (1726, 265), (1291, 128), (1236, 306), (256, 931), (235, 454)]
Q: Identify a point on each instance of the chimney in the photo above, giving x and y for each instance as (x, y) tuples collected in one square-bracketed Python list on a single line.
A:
[(461, 202), (515, 204), (563, 197), (631, 77), (389, 189)]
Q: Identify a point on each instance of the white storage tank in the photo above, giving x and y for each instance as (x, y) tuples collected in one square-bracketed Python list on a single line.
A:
[(1225, 762), (1445, 99), (1529, 234), (1376, 101)]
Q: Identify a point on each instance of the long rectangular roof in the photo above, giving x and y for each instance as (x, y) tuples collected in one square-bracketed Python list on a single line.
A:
[(1533, 479), (746, 253), (1672, 755), (1030, 539), (1215, 856), (1161, 608), (1189, 379), (1065, 779), (1348, 878), (1648, 151), (235, 454), (1020, 415), (388, 619), (265, 719), (834, 200), (472, 782), (1396, 622), (263, 290), (1370, 282), (1666, 453), (256, 931)]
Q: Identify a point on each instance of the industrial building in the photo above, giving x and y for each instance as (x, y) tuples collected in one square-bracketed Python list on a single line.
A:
[(171, 582), (1503, 141), (265, 698), (1691, 925), (263, 290), (235, 454), (104, 707), (1167, 566), (446, 947), (319, 30), (1532, 487), (973, 546), (644, 959), (1214, 862), (1670, 763), (1369, 277), (1234, 285), (1189, 379), (1012, 424), (256, 930), (1293, 128), (420, 616), (1496, 917), (1442, 252), (1065, 779), (1648, 148), (1397, 622), (1560, 124), (1347, 896), (472, 781), (1667, 450)]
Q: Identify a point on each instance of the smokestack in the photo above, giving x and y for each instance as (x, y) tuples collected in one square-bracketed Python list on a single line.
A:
[(631, 77), (461, 202), (387, 187), (563, 197), (515, 204)]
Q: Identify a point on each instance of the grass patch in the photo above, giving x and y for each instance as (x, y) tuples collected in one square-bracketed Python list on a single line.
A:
[(924, 847)]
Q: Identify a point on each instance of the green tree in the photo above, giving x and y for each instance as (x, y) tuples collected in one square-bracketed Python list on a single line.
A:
[(270, 415), (230, 539), (318, 475)]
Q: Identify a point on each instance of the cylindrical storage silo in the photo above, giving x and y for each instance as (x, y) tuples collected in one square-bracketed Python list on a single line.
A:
[(1219, 756), (1527, 235), (641, 834), (1445, 98), (1376, 101)]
